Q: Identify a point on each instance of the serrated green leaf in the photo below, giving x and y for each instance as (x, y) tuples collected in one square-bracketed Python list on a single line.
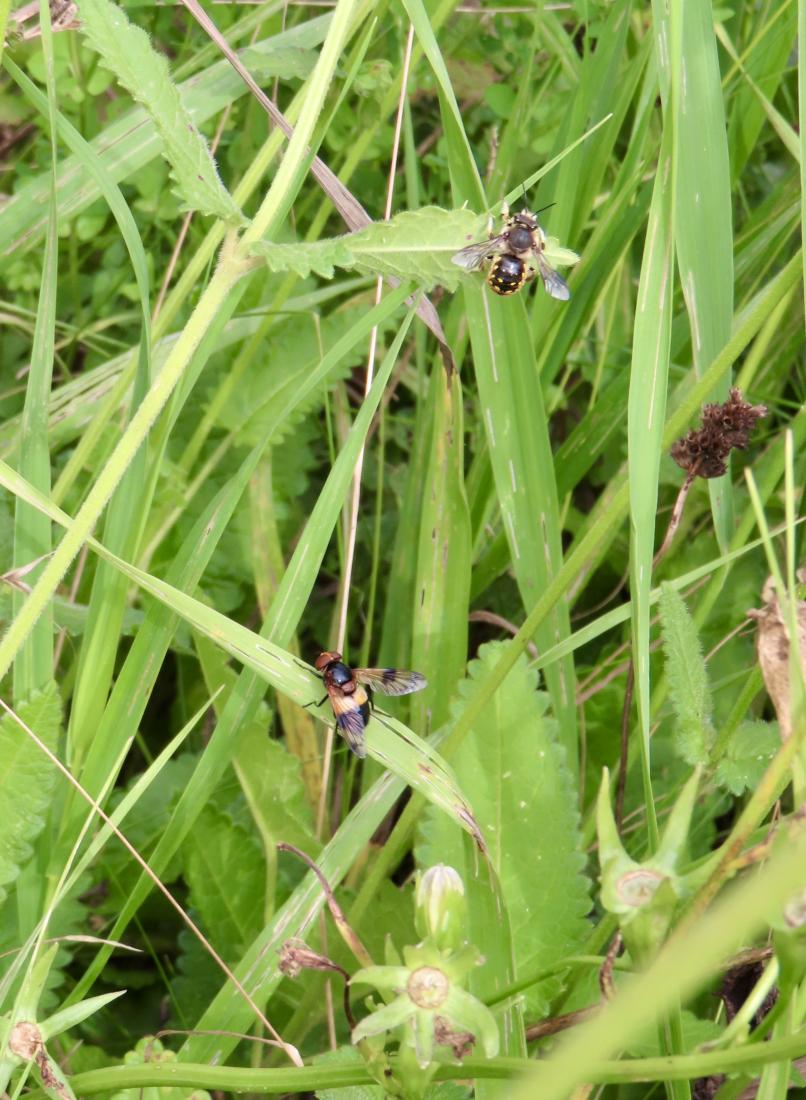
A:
[(226, 872), (19, 921), (272, 779), (557, 255), (27, 779), (518, 782), (689, 690), (196, 982), (747, 756), (319, 257), (127, 52), (416, 245)]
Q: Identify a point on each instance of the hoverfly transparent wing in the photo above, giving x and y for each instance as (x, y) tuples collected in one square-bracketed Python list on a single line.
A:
[(472, 257), (555, 284), (391, 681)]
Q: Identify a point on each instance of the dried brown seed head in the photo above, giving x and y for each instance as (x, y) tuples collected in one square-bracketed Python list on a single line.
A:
[(295, 955), (705, 450)]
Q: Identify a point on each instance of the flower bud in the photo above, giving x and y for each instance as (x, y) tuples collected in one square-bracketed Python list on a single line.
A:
[(441, 907), (644, 896)]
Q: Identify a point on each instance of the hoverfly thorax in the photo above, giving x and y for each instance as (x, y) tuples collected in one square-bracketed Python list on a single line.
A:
[(520, 236)]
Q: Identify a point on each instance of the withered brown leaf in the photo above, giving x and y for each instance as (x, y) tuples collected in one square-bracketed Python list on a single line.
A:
[(772, 646)]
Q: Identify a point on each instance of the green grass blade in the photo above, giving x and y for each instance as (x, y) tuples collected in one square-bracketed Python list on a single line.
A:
[(648, 385), (396, 636), (5, 9), (121, 717), (122, 527), (218, 297), (770, 32), (461, 154), (442, 579), (126, 804), (516, 427), (703, 223), (295, 587), (802, 131), (33, 669)]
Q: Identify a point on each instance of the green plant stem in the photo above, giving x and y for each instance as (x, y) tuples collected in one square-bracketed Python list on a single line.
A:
[(748, 1059)]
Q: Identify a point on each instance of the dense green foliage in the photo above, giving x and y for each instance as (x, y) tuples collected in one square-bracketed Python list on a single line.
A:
[(246, 419)]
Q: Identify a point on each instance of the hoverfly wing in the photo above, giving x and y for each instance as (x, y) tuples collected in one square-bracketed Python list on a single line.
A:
[(555, 284), (391, 681), (350, 721), (472, 257)]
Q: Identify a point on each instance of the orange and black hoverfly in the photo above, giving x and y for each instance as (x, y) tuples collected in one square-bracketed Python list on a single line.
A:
[(350, 700)]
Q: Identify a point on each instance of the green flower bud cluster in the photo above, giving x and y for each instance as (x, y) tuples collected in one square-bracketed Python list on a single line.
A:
[(644, 895)]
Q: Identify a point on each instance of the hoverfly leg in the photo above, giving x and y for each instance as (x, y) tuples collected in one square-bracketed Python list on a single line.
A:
[(314, 703)]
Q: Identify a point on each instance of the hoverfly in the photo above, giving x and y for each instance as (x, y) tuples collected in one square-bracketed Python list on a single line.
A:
[(350, 700), (516, 255)]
